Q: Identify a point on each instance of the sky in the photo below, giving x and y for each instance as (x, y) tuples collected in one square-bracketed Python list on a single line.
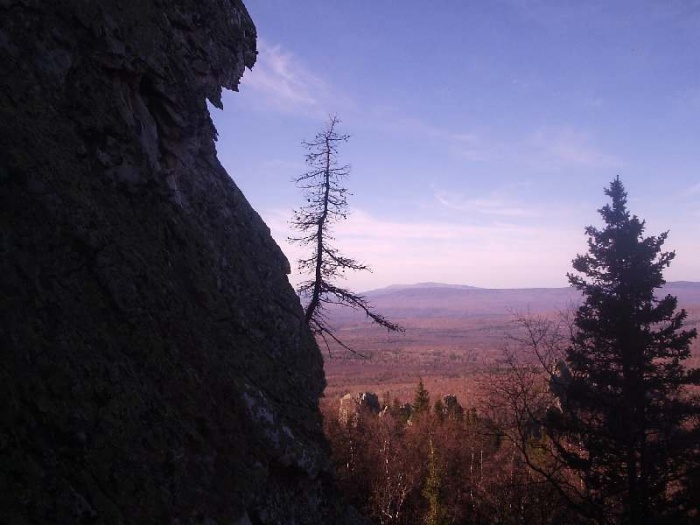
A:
[(482, 133)]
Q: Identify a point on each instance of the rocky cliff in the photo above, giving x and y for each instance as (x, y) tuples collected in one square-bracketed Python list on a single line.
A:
[(155, 366)]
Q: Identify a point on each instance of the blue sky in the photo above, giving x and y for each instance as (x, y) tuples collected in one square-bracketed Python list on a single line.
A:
[(482, 132)]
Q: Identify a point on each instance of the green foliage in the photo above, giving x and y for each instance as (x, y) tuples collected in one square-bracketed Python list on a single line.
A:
[(439, 410), (421, 401), (624, 416), (432, 491)]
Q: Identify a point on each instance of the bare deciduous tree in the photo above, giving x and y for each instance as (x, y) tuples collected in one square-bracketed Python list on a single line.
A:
[(527, 390), (326, 204)]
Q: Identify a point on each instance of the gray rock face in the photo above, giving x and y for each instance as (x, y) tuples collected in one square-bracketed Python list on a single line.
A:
[(351, 406), (155, 363)]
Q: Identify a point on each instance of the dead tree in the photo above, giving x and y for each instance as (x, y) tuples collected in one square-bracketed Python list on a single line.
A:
[(326, 204)]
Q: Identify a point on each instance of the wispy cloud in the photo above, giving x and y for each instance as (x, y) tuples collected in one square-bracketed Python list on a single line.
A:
[(557, 147), (281, 81), (472, 147), (693, 191), (491, 205), (545, 148), (501, 202), (466, 144), (495, 255)]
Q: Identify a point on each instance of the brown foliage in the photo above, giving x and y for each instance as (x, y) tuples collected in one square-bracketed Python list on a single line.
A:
[(383, 465)]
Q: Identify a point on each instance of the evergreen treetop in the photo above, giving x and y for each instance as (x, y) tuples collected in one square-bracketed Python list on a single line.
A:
[(421, 401), (625, 409)]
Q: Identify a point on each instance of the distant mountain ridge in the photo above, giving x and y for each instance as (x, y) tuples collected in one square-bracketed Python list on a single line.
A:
[(433, 299), (430, 284), (395, 287)]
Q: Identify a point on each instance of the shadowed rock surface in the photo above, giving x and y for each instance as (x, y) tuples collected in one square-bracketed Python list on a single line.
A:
[(155, 365)]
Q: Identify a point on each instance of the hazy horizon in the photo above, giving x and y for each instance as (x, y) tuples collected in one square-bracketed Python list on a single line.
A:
[(432, 284)]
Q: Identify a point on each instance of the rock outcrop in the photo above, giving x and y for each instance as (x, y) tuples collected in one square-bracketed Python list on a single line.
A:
[(351, 406), (155, 364)]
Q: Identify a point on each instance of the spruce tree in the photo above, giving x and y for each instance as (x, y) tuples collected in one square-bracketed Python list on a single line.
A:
[(421, 400), (439, 410), (626, 420)]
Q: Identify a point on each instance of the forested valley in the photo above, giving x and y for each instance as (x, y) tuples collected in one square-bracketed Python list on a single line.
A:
[(591, 415)]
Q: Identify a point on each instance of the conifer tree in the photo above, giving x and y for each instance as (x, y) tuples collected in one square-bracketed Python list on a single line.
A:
[(421, 401), (433, 489), (326, 204), (439, 410), (626, 420)]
